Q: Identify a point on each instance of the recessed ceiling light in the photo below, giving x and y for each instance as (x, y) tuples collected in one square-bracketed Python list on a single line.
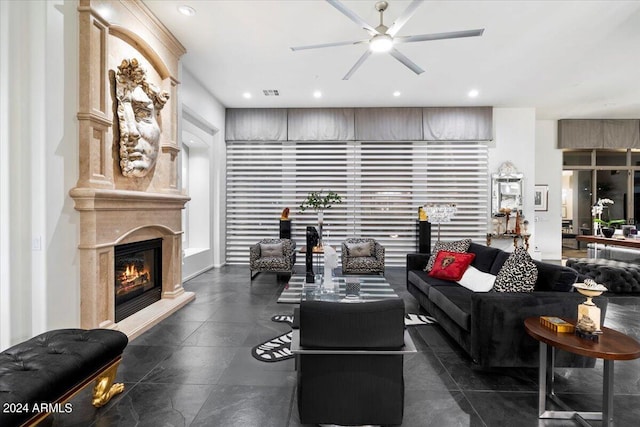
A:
[(186, 10), (396, 93), (104, 12), (473, 93), (246, 95), (317, 94)]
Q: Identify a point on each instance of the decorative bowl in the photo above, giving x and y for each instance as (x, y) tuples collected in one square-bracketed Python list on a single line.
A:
[(590, 289)]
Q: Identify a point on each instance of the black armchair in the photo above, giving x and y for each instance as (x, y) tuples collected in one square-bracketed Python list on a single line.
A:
[(350, 369)]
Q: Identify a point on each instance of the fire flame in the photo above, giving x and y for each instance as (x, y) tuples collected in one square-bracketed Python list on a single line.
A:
[(131, 273)]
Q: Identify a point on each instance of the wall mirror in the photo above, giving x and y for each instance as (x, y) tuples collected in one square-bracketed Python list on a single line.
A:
[(506, 189)]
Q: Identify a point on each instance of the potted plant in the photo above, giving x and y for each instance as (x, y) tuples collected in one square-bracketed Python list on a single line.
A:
[(318, 202), (607, 226), (598, 222)]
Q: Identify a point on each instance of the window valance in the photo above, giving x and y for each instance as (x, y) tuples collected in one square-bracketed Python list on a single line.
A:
[(599, 133), (458, 123), (321, 124), (256, 124), (361, 124)]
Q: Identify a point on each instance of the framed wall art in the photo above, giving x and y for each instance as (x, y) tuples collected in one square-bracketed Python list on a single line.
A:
[(541, 198)]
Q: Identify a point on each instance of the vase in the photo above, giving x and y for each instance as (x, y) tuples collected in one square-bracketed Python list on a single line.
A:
[(608, 232), (328, 286), (320, 224)]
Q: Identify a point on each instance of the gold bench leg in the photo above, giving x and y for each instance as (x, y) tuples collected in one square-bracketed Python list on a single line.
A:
[(105, 389)]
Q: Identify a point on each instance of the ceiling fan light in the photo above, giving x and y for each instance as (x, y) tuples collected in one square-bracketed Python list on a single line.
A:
[(381, 43)]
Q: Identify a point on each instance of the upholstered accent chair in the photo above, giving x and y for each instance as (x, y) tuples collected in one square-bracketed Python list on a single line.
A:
[(351, 369), (274, 255), (362, 255)]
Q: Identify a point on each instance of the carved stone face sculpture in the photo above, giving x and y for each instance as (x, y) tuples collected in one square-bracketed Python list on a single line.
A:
[(139, 104)]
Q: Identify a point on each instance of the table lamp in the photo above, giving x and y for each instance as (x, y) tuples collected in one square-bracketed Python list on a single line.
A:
[(440, 212)]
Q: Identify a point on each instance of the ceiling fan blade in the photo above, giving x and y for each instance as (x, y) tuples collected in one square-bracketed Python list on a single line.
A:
[(438, 36), (357, 65), (406, 61), (402, 19), (318, 46), (352, 15)]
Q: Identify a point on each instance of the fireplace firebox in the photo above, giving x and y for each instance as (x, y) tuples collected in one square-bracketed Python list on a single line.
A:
[(138, 276)]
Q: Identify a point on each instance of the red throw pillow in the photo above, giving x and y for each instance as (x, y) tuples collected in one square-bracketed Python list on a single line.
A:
[(451, 265)]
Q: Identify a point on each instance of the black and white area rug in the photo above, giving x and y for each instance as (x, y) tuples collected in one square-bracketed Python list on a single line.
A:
[(279, 348), (418, 319)]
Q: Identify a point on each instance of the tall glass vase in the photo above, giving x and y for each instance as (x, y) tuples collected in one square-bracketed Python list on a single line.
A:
[(320, 224)]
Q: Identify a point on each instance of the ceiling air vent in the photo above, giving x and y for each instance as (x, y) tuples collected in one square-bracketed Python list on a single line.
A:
[(271, 92)]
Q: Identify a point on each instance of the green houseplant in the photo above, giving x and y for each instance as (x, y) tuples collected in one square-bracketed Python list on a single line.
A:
[(609, 224), (607, 227), (318, 202)]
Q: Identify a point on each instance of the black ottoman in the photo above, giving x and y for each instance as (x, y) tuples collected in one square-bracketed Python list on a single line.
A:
[(619, 277), (52, 367)]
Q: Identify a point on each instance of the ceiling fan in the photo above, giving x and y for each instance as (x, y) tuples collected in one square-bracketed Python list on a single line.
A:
[(384, 38)]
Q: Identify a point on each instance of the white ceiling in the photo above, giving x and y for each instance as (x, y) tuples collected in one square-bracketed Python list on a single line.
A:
[(568, 59)]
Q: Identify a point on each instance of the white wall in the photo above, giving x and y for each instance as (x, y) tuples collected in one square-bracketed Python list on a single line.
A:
[(5, 195), (207, 110), (40, 165), (548, 162), (531, 146), (514, 141)]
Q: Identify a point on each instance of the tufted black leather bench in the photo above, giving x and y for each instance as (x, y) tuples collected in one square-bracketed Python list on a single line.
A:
[(617, 276), (52, 367)]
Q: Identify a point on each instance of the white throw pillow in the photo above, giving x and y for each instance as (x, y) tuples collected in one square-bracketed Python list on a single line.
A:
[(476, 280)]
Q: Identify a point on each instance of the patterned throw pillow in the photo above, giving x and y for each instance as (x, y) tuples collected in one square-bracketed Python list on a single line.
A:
[(271, 249), (451, 265), (460, 246), (518, 273), (360, 249)]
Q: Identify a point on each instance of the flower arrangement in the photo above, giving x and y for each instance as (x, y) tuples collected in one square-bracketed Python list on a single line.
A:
[(318, 202), (598, 222), (596, 210)]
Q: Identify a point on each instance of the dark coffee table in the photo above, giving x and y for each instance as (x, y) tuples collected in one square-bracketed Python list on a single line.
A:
[(612, 345)]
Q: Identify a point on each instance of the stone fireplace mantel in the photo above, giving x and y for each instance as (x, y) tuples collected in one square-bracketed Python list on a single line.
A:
[(97, 199), (113, 217), (117, 207)]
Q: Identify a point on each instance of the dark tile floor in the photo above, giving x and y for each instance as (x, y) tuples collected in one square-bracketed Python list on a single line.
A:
[(195, 369)]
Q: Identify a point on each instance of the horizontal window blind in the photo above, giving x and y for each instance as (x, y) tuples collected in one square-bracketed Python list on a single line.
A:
[(457, 172), (381, 183)]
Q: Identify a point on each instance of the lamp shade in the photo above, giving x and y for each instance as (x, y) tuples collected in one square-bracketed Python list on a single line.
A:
[(440, 212)]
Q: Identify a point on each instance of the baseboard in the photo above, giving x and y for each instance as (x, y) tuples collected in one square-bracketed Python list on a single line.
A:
[(197, 273)]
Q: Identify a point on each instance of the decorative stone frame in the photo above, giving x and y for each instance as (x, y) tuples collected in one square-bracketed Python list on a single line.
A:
[(115, 209)]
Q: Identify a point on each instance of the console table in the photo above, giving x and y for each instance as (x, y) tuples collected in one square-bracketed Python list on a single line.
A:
[(612, 345), (516, 238), (629, 243)]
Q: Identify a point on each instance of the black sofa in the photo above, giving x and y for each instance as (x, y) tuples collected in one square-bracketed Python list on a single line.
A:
[(489, 326)]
